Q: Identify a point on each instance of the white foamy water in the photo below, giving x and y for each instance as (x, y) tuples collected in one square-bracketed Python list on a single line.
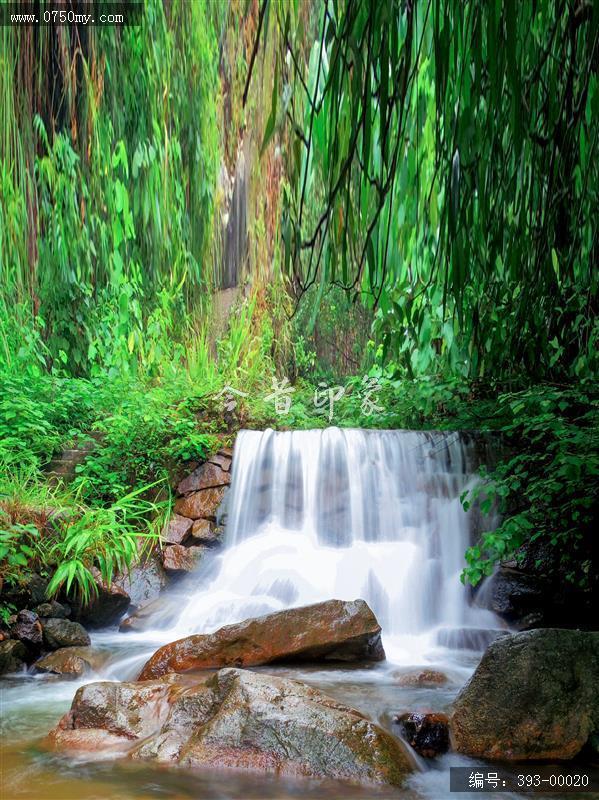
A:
[(315, 515)]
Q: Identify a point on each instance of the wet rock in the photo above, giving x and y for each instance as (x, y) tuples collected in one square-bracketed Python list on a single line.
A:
[(534, 695), (424, 678), (107, 606), (427, 733), (36, 587), (206, 476), (532, 590), (160, 613), (72, 661), (145, 580), (177, 530), (331, 631), (516, 595), (200, 505), (178, 560), (205, 532), (53, 609), (128, 711), (238, 720), (27, 629), (64, 633), (12, 656)]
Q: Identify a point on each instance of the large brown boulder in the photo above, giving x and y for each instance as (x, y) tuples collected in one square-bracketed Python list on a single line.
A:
[(239, 720), (72, 662), (335, 630), (534, 695), (202, 504)]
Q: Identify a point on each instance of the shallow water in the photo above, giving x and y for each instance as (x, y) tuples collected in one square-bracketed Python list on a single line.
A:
[(32, 706)]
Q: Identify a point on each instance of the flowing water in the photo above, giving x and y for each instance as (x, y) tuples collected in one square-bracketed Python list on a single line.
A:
[(310, 516)]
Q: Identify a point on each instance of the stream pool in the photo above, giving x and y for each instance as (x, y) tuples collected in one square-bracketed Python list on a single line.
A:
[(31, 706)]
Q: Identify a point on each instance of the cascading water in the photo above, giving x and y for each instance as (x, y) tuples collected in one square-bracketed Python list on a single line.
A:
[(315, 515)]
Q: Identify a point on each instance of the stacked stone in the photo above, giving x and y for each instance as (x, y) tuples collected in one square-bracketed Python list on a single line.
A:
[(193, 529)]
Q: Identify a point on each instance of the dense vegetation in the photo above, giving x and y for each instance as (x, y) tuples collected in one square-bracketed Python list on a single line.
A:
[(427, 219)]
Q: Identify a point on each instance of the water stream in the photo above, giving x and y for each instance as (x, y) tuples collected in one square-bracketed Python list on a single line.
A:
[(310, 516)]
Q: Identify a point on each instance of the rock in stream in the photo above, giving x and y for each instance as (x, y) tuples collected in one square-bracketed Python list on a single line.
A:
[(534, 695), (237, 719), (331, 631)]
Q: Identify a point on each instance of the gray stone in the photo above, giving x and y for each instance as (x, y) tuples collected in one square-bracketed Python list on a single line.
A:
[(145, 580), (12, 656), (53, 609), (27, 629), (534, 695), (64, 633)]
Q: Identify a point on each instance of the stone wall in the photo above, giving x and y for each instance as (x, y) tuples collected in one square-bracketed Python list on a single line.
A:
[(194, 528)]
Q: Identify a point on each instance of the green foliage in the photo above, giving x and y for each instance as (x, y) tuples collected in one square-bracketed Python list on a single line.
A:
[(546, 491), (6, 611), (39, 413), (442, 168), (54, 533), (15, 552), (151, 431), (107, 189), (105, 538), (331, 334), (439, 198)]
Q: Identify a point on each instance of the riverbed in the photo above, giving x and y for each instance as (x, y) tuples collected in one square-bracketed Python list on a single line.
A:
[(32, 705)]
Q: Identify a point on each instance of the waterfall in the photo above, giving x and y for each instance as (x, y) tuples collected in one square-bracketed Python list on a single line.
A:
[(315, 515)]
